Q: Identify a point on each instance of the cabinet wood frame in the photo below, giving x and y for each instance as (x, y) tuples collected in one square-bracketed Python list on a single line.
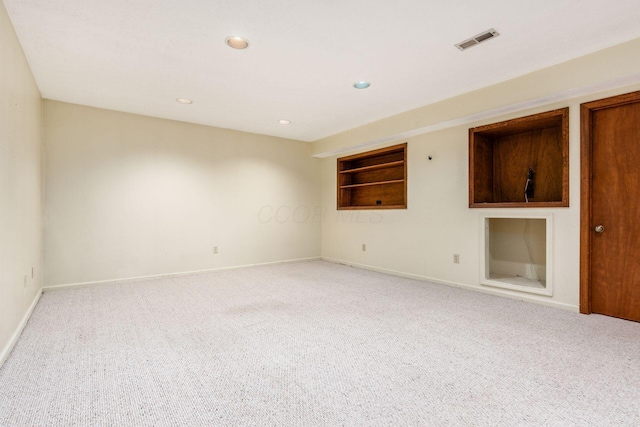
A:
[(374, 179), (500, 154)]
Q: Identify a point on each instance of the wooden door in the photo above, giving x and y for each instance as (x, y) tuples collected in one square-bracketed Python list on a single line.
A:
[(610, 282)]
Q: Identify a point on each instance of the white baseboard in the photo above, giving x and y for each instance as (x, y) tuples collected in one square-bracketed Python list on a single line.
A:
[(6, 351), (177, 274), (491, 291)]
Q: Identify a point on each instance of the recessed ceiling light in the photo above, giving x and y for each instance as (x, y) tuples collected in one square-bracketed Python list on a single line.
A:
[(184, 101), (284, 122), (237, 42), (361, 85)]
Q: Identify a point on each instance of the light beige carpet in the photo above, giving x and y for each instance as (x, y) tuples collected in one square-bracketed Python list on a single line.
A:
[(315, 344)]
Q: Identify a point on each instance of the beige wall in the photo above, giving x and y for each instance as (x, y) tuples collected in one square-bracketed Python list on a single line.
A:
[(130, 196), (20, 187), (421, 240)]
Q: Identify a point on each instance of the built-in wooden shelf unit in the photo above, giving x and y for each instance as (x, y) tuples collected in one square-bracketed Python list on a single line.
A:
[(501, 154), (374, 180)]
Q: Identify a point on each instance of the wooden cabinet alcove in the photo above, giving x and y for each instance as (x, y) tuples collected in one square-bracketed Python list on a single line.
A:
[(373, 180), (501, 155)]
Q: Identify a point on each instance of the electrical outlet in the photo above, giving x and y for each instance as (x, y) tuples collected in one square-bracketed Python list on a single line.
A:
[(364, 247), (456, 258), (215, 249)]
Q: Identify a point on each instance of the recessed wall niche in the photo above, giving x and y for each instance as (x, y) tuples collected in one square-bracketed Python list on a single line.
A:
[(517, 253), (374, 179), (522, 162)]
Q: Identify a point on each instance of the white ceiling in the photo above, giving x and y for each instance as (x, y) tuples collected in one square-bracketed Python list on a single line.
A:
[(304, 55)]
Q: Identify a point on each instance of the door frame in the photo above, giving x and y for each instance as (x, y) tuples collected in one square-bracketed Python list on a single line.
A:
[(586, 167)]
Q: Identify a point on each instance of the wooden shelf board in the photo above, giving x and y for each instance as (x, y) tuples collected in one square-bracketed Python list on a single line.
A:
[(372, 207), (373, 167), (367, 184), (558, 204)]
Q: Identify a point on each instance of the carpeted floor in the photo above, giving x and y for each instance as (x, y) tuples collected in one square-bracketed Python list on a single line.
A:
[(315, 344)]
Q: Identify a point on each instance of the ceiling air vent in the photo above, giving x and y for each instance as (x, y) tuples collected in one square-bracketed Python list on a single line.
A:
[(479, 38)]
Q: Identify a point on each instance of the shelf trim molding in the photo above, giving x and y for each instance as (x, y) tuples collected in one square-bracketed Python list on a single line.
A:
[(368, 184), (374, 167)]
